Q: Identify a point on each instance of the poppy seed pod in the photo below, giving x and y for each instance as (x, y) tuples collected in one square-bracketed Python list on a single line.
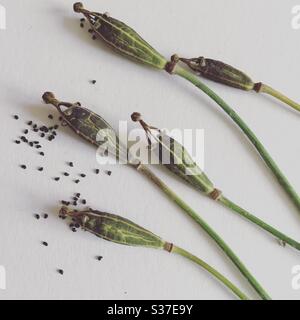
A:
[(122, 38)]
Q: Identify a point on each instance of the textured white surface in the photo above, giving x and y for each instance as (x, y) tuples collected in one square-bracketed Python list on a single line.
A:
[(44, 48)]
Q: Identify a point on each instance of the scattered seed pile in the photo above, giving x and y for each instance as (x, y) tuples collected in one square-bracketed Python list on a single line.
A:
[(45, 132)]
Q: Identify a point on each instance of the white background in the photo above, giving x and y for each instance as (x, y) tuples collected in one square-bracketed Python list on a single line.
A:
[(44, 48)]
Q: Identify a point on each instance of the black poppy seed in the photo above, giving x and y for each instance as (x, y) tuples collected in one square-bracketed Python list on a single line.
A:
[(90, 30), (71, 164), (78, 195), (56, 178), (60, 271), (29, 123), (77, 225), (17, 141), (40, 168), (82, 175), (16, 117), (50, 128), (83, 201), (23, 166), (35, 129), (77, 181), (50, 116), (34, 126), (54, 133), (42, 154), (44, 243), (35, 142), (37, 216), (25, 131), (99, 258), (74, 203), (108, 173), (31, 144), (66, 174), (46, 216), (42, 135), (97, 171), (23, 138), (93, 81), (56, 127), (75, 198), (74, 230), (38, 146), (81, 25), (82, 20)]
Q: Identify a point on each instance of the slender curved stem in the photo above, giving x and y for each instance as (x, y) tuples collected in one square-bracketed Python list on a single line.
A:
[(186, 74), (279, 235), (187, 209), (276, 94), (211, 270)]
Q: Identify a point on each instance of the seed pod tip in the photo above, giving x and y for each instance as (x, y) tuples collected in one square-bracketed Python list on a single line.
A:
[(48, 97), (78, 6), (136, 116)]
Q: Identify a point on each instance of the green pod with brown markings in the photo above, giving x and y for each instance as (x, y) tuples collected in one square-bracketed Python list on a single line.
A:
[(221, 72), (122, 38), (114, 228)]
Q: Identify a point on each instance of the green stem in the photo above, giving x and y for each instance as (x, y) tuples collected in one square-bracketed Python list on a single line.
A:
[(229, 204), (186, 208), (247, 131), (211, 270), (276, 94)]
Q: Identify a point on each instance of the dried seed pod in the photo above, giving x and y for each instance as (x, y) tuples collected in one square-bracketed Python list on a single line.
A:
[(122, 38), (114, 228), (174, 157), (220, 72), (89, 125), (119, 230)]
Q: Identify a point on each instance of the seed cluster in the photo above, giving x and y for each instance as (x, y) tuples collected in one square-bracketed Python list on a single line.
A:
[(49, 133)]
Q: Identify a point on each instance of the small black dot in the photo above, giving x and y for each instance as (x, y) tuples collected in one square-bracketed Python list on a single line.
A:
[(99, 258), (44, 243), (94, 37), (82, 20), (29, 123), (25, 131), (77, 225), (78, 195), (35, 129), (90, 30), (74, 229), (77, 181), (97, 171), (66, 174), (108, 173), (40, 168), (71, 164), (37, 216), (75, 203), (83, 201), (56, 178), (93, 81), (50, 116), (23, 166), (42, 153), (81, 25), (17, 141), (82, 175), (45, 216), (16, 117), (42, 135), (56, 127), (60, 271)]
